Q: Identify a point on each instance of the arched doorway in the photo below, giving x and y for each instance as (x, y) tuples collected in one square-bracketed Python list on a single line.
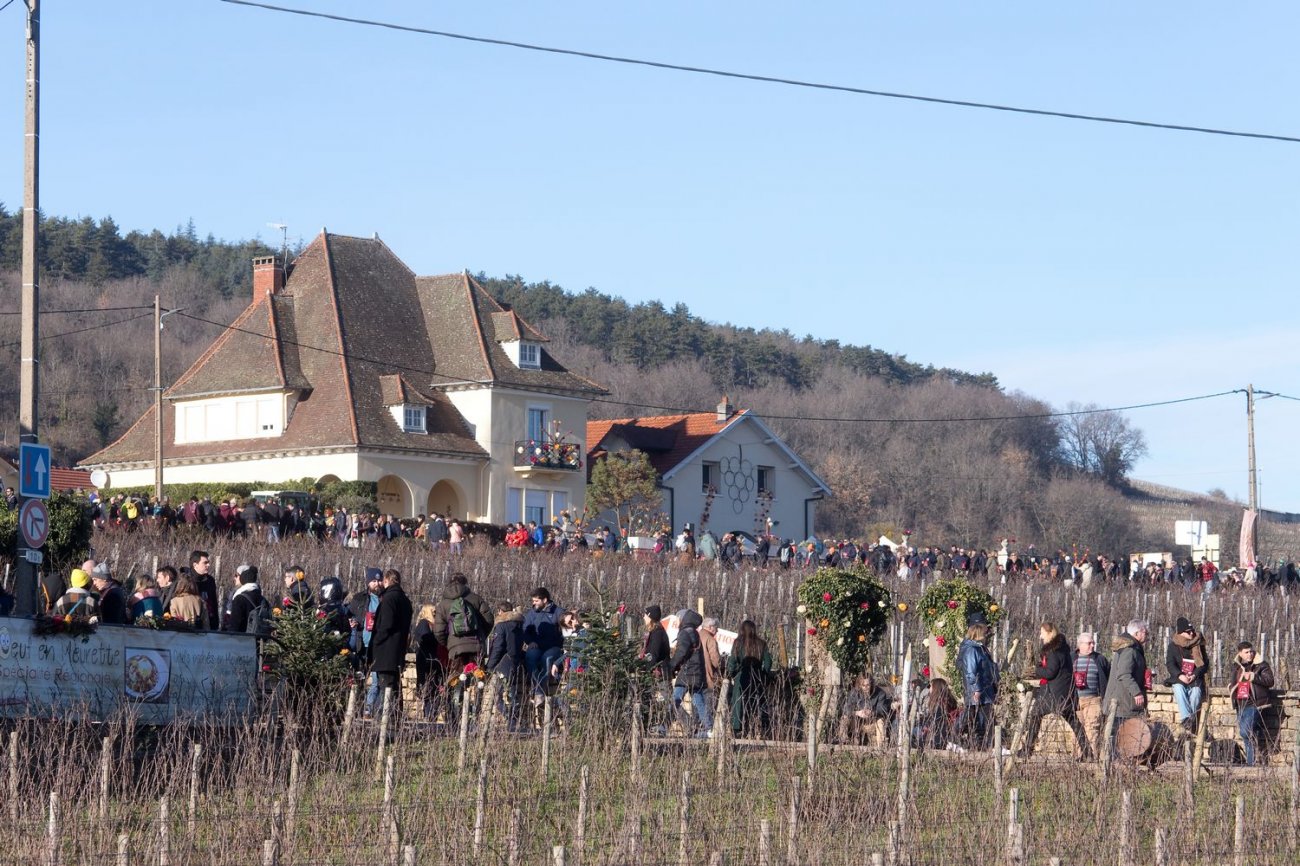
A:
[(444, 498), (325, 480), (394, 496)]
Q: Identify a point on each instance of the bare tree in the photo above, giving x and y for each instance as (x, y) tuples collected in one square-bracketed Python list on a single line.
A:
[(1101, 443)]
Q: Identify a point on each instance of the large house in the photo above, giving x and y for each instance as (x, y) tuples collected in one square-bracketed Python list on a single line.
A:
[(723, 471), (355, 369)]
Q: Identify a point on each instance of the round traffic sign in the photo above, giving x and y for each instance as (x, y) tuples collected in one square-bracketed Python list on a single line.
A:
[(34, 521)]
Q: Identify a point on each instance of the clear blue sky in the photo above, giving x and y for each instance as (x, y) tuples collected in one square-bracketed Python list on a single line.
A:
[(1075, 261)]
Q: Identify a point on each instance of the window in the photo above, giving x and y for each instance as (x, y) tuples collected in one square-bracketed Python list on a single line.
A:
[(711, 477), (538, 419), (766, 480), (530, 355), (225, 418), (535, 502), (413, 418)]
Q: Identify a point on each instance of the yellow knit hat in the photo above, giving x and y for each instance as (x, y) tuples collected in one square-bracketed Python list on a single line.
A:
[(79, 578)]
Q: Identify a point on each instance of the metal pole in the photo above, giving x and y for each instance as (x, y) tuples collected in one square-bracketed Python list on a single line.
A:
[(157, 400), (29, 375)]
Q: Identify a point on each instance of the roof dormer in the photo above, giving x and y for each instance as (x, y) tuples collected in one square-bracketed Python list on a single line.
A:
[(409, 408)]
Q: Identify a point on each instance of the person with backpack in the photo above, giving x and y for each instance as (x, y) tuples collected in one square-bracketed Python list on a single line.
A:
[(247, 611), (78, 601), (461, 623), (688, 664)]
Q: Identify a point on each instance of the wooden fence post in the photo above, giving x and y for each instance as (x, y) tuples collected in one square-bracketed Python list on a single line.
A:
[(764, 843), (1015, 851), (1126, 829), (684, 821), (546, 743), (464, 728), (383, 732), (13, 777), (1107, 745), (557, 855), (1239, 834), (348, 715), (480, 802), (105, 762), (792, 831), (52, 839), (192, 814), (270, 853), (512, 837), (580, 837), (1162, 852), (164, 836), (123, 847), (997, 763)]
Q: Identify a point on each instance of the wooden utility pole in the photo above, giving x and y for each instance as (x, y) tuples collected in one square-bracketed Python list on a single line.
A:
[(25, 581), (1250, 446), (157, 400)]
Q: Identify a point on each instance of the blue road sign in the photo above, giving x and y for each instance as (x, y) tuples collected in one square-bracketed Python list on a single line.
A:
[(34, 470)]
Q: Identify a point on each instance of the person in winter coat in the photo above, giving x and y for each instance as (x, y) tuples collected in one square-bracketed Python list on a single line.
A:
[(427, 669), (392, 634), (461, 623), (1186, 665), (543, 642), (688, 664), (505, 658), (1055, 693), (748, 667), (78, 601), (145, 601), (1251, 680), (935, 716), (334, 604), (867, 709), (1091, 673), (713, 669), (980, 686), (246, 598), (1129, 677), (185, 604)]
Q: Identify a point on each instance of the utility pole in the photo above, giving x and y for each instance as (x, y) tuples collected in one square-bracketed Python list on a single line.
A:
[(26, 579), (157, 400), (1250, 447)]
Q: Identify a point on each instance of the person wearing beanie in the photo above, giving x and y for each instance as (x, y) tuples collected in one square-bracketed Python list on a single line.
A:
[(363, 607), (1185, 664), (654, 655), (78, 601), (1252, 681)]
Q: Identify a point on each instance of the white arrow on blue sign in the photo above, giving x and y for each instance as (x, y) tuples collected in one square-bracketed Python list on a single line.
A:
[(34, 470)]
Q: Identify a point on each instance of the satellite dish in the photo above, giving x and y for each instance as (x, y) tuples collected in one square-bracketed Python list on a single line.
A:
[(99, 478)]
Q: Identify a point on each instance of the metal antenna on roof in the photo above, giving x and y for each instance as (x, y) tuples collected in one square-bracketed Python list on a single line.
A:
[(284, 242)]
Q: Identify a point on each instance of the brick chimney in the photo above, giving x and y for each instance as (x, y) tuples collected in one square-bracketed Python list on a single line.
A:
[(724, 409), (268, 276)]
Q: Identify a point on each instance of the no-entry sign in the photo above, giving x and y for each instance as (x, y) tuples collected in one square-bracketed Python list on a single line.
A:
[(34, 521)]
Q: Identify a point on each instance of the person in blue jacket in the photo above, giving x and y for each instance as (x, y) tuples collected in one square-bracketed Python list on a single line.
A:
[(543, 641), (980, 686)]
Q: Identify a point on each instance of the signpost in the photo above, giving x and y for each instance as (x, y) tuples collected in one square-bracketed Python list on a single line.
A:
[(34, 521), (33, 470)]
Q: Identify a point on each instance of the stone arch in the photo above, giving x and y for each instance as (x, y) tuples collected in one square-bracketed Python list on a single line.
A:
[(327, 479), (446, 498), (394, 496)]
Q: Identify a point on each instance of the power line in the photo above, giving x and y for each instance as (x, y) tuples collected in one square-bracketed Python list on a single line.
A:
[(45, 337), (83, 310), (768, 79), (452, 380)]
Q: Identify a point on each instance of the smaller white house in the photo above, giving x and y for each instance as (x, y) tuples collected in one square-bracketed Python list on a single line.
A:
[(722, 471)]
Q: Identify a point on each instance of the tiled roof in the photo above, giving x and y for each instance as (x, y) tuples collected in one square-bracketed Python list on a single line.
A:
[(370, 330), (667, 440), (61, 480)]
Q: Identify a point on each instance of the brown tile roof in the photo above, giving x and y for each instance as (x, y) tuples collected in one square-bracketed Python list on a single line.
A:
[(666, 439), (507, 326), (397, 391)]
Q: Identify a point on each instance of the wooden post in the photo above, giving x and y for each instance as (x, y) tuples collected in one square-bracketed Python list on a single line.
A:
[(383, 732), (557, 855), (1015, 850), (1103, 767), (164, 840), (52, 838), (1295, 788), (105, 761), (1126, 829), (387, 813), (408, 853), (192, 814), (464, 728), (270, 853), (1201, 728), (291, 808), (792, 830), (684, 821), (722, 727), (764, 843), (904, 752), (636, 739), (348, 715), (1018, 738), (810, 728), (1162, 849), (895, 857), (480, 803), (877, 859), (13, 778), (1239, 834), (546, 738), (580, 837), (997, 762), (512, 837), (123, 846), (487, 711)]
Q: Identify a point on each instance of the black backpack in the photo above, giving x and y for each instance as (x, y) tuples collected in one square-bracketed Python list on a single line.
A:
[(261, 620)]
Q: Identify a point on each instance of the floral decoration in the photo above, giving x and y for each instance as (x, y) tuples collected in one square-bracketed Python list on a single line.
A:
[(850, 609)]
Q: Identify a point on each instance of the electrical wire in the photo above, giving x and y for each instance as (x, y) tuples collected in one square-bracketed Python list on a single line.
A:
[(45, 337), (769, 79), (452, 380), (83, 310)]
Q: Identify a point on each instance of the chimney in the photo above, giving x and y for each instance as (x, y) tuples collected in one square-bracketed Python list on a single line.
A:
[(268, 276), (724, 409)]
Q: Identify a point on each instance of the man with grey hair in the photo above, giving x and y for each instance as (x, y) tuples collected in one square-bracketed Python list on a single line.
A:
[(1130, 679), (1091, 676)]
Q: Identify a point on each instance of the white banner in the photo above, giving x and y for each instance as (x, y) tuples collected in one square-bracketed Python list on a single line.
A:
[(159, 675)]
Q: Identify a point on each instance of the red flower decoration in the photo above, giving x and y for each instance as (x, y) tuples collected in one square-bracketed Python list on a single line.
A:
[(952, 605), (812, 631), (865, 605), (320, 614), (941, 640), (622, 609), (470, 668), (1042, 681), (266, 669), (925, 672), (826, 596)]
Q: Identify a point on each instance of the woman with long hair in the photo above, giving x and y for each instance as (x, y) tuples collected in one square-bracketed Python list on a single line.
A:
[(186, 605), (146, 601), (748, 667)]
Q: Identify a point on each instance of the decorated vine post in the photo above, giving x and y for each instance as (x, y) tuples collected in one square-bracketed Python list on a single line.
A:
[(948, 608), (846, 613)]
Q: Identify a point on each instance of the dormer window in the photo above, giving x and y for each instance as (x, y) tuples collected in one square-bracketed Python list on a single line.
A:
[(414, 419), (526, 355)]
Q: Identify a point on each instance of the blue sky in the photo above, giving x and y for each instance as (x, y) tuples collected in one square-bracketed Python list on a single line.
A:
[(1075, 261)]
